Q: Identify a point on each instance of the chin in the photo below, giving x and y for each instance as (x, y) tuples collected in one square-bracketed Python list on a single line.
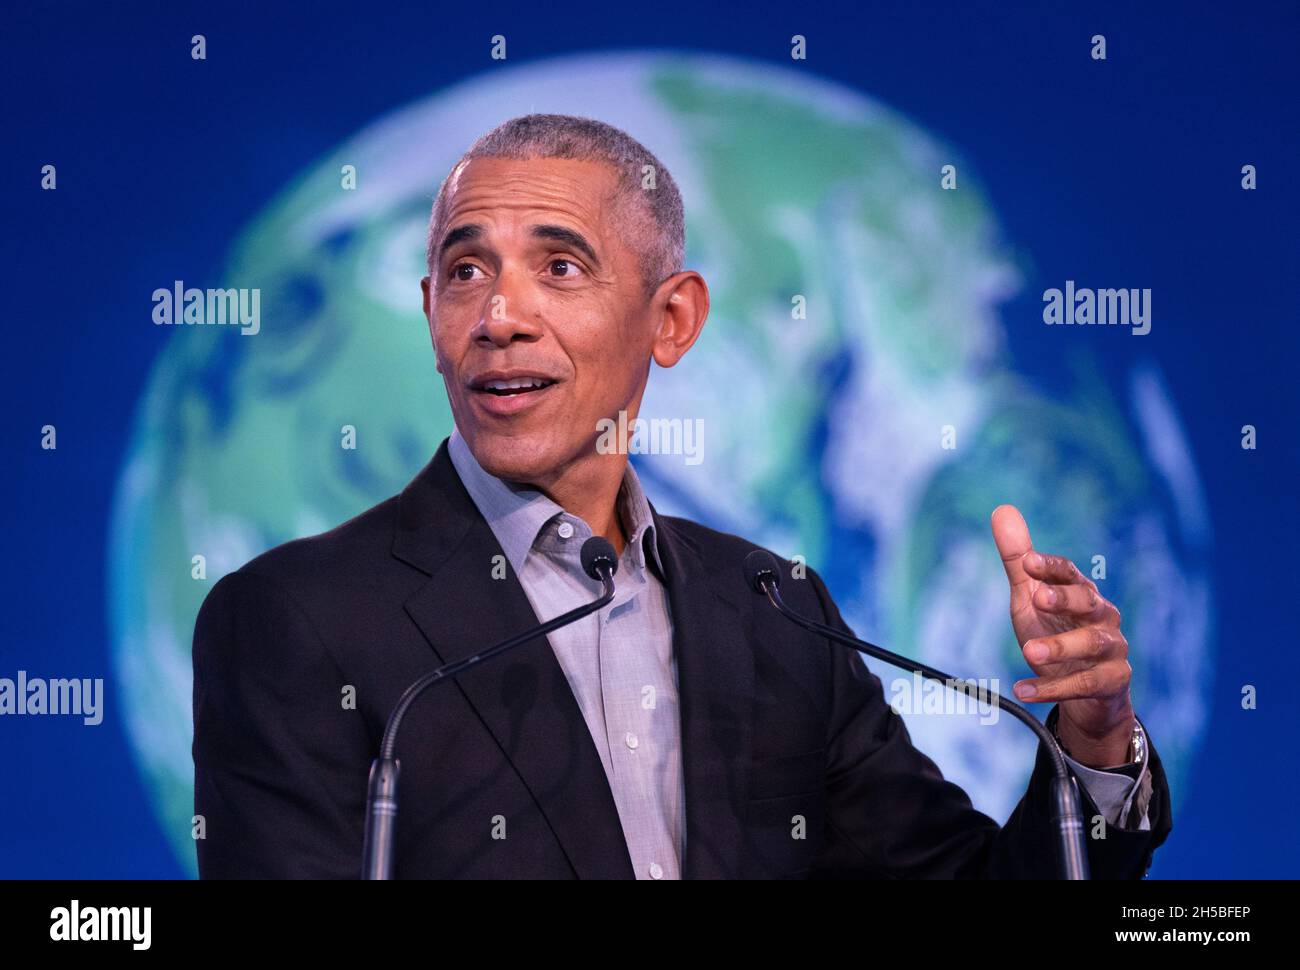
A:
[(524, 459)]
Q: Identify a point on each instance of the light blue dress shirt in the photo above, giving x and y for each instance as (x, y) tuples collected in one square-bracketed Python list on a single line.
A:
[(619, 661)]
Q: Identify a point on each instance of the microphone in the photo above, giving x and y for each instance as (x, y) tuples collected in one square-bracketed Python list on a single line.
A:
[(764, 576), (600, 563)]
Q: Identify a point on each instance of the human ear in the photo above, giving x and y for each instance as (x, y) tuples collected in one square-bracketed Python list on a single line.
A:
[(681, 306)]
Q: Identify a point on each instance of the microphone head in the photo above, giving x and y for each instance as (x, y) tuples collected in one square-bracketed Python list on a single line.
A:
[(597, 554), (760, 568)]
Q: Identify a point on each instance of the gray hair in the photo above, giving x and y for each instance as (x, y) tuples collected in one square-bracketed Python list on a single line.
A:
[(655, 223)]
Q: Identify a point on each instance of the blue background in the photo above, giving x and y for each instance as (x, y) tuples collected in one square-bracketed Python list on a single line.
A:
[(1129, 173)]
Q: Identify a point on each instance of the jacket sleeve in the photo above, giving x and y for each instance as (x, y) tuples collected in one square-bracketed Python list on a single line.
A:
[(275, 751), (891, 813)]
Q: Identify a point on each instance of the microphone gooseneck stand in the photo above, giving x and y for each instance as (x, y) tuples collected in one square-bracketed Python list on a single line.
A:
[(764, 577), (600, 563)]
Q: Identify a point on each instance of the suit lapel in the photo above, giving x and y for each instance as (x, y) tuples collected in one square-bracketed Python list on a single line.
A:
[(523, 698), (715, 669)]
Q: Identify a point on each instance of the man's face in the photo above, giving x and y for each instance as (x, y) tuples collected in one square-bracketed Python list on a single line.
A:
[(538, 314)]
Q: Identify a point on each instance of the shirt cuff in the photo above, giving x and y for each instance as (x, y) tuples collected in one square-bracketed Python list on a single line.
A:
[(1122, 799)]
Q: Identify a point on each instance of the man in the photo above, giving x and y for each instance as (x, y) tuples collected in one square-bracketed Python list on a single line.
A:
[(684, 731)]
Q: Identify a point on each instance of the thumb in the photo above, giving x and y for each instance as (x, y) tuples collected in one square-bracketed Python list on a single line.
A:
[(1011, 535)]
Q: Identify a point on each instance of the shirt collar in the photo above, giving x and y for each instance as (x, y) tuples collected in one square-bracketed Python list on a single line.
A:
[(517, 514)]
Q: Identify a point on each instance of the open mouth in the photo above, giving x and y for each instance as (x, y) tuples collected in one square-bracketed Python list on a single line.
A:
[(514, 386)]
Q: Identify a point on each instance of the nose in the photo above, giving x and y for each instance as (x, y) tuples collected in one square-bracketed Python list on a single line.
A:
[(508, 315)]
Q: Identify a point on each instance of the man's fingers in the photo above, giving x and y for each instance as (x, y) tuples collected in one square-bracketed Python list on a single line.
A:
[(1076, 600), (1086, 643), (1103, 681), (1052, 569), (1011, 535)]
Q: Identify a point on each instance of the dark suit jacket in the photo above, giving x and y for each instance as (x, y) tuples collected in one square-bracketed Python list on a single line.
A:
[(775, 723)]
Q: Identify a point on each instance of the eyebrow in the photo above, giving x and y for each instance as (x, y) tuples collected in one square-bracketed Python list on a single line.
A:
[(458, 235), (572, 237)]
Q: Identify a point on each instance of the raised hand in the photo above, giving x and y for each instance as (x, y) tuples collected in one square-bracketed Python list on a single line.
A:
[(1070, 637)]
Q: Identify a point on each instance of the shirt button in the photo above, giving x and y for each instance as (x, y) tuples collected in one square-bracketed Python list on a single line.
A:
[(566, 530), (656, 871), (631, 740)]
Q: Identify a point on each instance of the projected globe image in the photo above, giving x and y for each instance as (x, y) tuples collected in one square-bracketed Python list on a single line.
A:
[(854, 325)]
